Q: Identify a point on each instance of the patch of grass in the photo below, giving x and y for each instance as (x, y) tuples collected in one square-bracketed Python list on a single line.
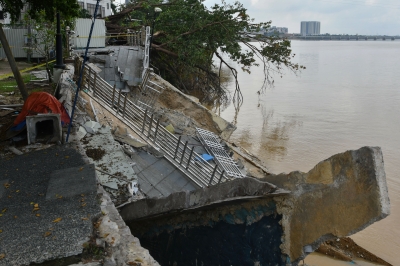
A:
[(8, 85)]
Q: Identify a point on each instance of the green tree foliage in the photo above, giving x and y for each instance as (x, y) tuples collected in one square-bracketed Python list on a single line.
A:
[(191, 43), (68, 8), (84, 13), (41, 36)]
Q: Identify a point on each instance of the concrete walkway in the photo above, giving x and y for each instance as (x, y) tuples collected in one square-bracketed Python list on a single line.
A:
[(47, 203)]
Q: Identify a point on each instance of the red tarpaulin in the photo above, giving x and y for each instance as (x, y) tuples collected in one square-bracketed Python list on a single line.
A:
[(42, 103)]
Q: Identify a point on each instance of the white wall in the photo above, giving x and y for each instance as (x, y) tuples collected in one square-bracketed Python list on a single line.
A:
[(17, 40), (82, 30)]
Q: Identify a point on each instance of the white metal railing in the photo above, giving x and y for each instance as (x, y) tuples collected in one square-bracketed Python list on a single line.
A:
[(212, 144), (179, 153), (146, 59)]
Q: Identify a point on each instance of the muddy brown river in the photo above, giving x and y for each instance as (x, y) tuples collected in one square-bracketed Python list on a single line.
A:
[(348, 97)]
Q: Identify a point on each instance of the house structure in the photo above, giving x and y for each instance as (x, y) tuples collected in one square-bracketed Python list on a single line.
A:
[(17, 34), (90, 5)]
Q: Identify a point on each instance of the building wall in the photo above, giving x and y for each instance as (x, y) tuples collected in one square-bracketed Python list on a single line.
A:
[(18, 44), (82, 30), (310, 28), (104, 7)]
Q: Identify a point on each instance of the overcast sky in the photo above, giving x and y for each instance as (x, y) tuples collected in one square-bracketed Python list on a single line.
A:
[(336, 16)]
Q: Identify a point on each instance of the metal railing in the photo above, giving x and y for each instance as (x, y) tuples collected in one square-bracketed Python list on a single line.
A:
[(179, 153), (212, 144), (148, 93), (134, 38)]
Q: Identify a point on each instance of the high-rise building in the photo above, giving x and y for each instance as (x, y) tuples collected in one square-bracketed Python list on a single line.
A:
[(310, 28)]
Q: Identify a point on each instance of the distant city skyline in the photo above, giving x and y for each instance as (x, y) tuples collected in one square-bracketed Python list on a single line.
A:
[(363, 17)]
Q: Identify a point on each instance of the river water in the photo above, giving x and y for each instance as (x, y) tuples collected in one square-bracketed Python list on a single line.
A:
[(348, 97)]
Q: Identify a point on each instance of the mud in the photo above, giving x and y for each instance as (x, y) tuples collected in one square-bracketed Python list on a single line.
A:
[(95, 154), (347, 250)]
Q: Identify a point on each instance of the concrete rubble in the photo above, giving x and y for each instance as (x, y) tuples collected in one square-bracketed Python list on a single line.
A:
[(125, 248)]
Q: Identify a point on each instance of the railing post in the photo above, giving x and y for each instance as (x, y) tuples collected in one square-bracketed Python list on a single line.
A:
[(220, 178), (119, 98), (144, 120), (123, 112), (156, 131), (212, 176), (190, 157), (183, 152), (89, 81), (94, 84), (177, 146), (151, 123), (112, 98)]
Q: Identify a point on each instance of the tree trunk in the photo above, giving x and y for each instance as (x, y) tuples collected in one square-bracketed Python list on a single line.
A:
[(13, 65)]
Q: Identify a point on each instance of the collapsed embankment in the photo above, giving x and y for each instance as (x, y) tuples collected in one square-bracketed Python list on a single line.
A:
[(324, 177)]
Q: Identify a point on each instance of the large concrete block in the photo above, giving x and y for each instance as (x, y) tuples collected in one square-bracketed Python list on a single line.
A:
[(32, 122), (338, 197)]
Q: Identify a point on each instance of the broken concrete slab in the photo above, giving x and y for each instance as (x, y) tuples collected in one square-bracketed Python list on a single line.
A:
[(51, 231), (130, 141), (92, 127), (157, 177), (108, 156), (125, 248), (235, 190), (338, 197), (81, 133), (71, 182)]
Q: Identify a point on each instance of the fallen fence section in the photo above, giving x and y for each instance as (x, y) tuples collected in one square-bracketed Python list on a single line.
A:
[(212, 144), (199, 171)]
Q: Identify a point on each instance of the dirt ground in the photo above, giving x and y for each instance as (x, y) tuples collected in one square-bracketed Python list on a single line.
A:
[(5, 66), (346, 249)]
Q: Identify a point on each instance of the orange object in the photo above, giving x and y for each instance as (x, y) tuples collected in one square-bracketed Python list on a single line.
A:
[(42, 103)]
